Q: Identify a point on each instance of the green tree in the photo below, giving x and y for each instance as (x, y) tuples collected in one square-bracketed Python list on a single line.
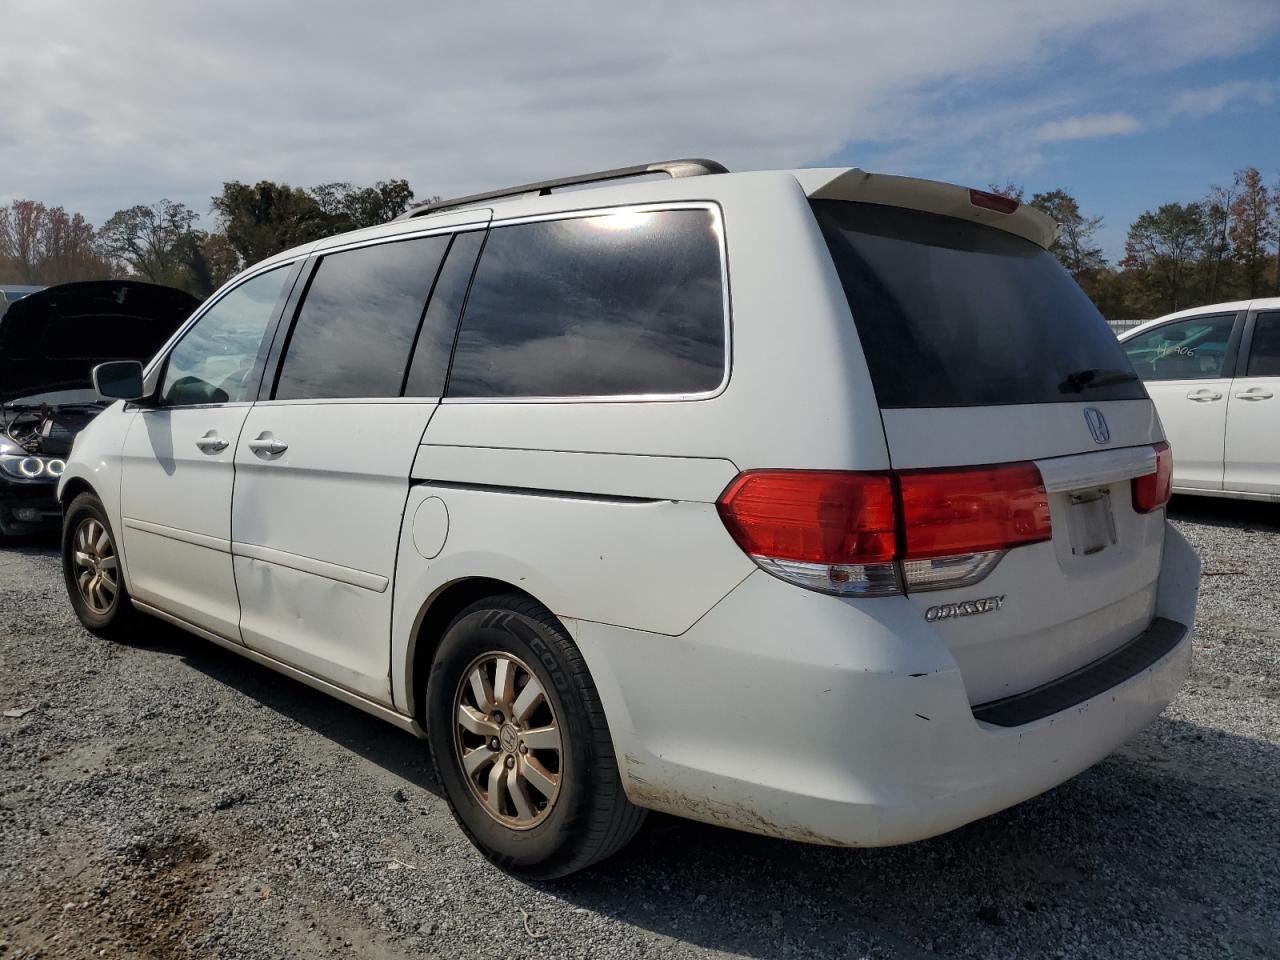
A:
[(350, 208), (1162, 249), (1076, 247), (154, 242), (263, 219)]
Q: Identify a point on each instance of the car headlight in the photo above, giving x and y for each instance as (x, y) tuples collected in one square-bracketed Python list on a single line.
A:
[(32, 468)]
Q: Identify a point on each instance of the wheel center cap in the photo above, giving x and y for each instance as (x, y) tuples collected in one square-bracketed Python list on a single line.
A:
[(509, 737)]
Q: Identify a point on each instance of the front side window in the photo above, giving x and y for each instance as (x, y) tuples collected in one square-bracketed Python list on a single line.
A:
[(619, 304), (358, 319), (1264, 357), (217, 360), (1193, 349)]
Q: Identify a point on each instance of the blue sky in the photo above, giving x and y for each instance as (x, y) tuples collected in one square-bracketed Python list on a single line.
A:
[(1125, 103), (1155, 137)]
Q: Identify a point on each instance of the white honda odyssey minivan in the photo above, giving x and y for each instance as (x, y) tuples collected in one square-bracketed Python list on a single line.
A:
[(814, 503)]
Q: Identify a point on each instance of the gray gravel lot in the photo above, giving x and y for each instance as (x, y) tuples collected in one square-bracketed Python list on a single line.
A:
[(169, 799)]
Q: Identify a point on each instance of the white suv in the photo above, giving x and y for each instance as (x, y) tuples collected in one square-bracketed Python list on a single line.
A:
[(814, 503)]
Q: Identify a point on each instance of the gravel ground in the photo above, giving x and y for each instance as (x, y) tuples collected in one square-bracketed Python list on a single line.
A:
[(169, 799)]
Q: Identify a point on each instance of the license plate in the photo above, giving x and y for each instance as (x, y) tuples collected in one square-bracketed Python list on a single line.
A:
[(1091, 523)]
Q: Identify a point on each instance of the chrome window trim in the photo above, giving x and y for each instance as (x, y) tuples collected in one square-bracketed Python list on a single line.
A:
[(466, 226), (655, 207)]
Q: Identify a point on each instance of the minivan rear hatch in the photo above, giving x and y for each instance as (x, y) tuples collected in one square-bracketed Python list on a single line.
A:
[(1015, 426)]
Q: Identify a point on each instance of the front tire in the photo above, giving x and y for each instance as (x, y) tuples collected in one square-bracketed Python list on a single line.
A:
[(92, 571), (520, 743)]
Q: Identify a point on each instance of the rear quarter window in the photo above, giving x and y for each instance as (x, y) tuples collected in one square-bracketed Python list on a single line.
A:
[(620, 304), (952, 313)]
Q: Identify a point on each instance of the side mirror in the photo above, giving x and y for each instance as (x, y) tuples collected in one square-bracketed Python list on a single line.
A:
[(118, 380)]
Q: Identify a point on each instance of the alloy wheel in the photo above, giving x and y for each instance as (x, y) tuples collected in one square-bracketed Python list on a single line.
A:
[(507, 739), (97, 567)]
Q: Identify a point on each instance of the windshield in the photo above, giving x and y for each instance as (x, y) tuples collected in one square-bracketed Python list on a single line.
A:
[(952, 313)]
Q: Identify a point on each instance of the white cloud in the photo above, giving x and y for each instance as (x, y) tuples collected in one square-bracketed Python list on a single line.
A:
[(1211, 100), (108, 105), (1088, 126)]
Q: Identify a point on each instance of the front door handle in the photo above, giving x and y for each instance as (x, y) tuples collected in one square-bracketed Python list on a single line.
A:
[(212, 443), (1255, 393), (1204, 395), (268, 445)]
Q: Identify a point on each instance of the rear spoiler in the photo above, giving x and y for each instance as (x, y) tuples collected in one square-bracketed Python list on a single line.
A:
[(932, 196)]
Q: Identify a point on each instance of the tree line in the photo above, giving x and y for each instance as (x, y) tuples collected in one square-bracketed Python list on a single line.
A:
[(1222, 246), (163, 243)]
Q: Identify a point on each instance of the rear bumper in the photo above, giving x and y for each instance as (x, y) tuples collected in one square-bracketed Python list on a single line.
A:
[(28, 508), (791, 714)]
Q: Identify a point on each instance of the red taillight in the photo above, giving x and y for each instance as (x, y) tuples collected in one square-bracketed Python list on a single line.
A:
[(1154, 490), (812, 516), (992, 201), (844, 533), (973, 510)]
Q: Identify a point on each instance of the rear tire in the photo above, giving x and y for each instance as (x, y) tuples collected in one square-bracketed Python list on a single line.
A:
[(92, 571), (538, 792)]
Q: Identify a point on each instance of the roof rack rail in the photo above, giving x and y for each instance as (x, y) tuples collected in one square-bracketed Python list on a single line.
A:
[(694, 167)]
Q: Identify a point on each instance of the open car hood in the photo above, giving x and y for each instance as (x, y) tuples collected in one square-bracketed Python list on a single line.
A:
[(53, 339)]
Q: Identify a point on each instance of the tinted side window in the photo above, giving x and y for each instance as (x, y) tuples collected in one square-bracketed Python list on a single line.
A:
[(1264, 356), (358, 319), (609, 305), (1193, 349), (435, 342), (217, 360)]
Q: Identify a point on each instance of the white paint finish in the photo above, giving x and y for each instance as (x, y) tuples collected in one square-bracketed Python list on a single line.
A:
[(707, 725), (406, 723), (217, 544), (790, 325), (1252, 454), (430, 527), (319, 568), (618, 475), (95, 461), (961, 436), (171, 488), (1194, 415), (322, 522), (732, 696), (456, 220), (1061, 610), (655, 565), (932, 196)]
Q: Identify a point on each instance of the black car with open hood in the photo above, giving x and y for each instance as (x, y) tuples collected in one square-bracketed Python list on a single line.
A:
[(50, 342)]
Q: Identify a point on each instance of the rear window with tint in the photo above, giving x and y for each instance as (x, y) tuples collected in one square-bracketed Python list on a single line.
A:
[(608, 305), (952, 313)]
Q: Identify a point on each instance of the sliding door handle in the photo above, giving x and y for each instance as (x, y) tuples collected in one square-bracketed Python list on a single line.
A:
[(212, 443), (268, 445)]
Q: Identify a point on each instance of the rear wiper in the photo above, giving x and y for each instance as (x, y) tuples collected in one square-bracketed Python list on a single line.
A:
[(1083, 380)]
